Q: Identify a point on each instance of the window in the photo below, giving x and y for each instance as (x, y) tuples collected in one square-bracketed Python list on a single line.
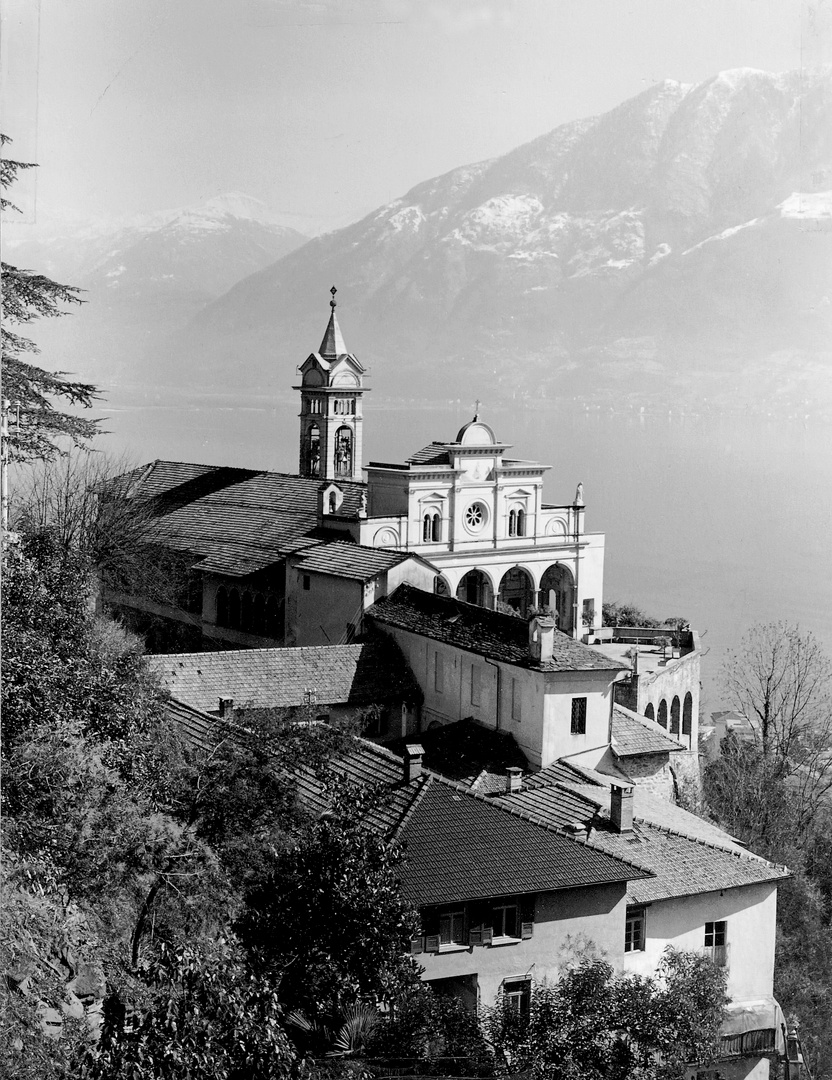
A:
[(517, 522), (518, 995), (307, 583), (634, 930), (431, 527), (516, 700), (452, 929), (716, 944), (588, 613), (475, 517), (662, 717), (504, 922), (475, 685), (438, 672), (578, 716)]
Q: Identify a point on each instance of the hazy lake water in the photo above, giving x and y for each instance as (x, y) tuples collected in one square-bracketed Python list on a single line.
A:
[(723, 519)]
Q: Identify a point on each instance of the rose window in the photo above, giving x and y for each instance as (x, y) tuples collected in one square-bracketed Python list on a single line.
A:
[(475, 517)]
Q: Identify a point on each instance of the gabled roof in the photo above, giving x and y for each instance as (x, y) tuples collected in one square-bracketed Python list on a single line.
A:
[(633, 735), (231, 521), (488, 633), (373, 672), (435, 453), (344, 559)]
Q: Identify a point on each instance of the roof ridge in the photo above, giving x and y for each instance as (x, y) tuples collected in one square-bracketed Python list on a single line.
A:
[(424, 782), (261, 649)]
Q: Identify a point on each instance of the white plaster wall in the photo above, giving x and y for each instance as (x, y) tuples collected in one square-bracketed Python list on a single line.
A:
[(561, 687), (750, 913), (565, 921)]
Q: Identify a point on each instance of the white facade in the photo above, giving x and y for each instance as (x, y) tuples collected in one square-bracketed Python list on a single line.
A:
[(480, 518)]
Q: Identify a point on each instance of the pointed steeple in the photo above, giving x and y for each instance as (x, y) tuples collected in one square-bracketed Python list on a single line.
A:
[(333, 342)]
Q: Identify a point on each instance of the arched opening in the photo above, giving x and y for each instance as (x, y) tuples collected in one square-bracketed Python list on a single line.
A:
[(475, 588), (313, 451), (222, 606), (234, 609), (440, 586), (245, 612), (258, 614), (517, 590), (333, 502), (687, 714), (343, 452), (431, 527), (557, 591), (650, 712), (662, 717), (675, 709)]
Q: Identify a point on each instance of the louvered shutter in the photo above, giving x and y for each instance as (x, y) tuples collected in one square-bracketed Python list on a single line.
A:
[(417, 945), (526, 930), (475, 935), (527, 906), (432, 943), (487, 935)]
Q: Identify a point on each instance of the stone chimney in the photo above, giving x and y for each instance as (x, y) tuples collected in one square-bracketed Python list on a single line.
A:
[(621, 808), (226, 706), (541, 639), (514, 779), (413, 754)]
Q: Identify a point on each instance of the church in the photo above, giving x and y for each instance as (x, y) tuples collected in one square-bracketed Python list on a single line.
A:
[(258, 559)]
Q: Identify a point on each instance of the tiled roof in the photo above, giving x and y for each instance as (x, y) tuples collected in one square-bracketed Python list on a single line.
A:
[(351, 560), (461, 846), (371, 672), (197, 727), (236, 521), (434, 453), (633, 735), (686, 854), (488, 633)]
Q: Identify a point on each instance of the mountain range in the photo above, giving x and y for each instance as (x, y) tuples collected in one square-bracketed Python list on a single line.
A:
[(674, 250)]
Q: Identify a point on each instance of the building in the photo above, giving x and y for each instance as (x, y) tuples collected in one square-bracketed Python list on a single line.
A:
[(369, 680), (248, 551)]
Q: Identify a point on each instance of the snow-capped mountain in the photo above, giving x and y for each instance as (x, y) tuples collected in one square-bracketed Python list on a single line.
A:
[(684, 232)]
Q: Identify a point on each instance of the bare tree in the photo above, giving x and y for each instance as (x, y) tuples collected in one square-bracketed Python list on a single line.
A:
[(781, 681)]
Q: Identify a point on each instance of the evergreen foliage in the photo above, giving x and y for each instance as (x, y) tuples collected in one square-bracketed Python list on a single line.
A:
[(31, 389)]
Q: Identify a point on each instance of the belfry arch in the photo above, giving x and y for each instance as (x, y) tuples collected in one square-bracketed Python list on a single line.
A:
[(517, 590), (557, 591)]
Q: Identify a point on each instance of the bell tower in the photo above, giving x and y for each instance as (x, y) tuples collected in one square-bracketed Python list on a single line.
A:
[(332, 386)]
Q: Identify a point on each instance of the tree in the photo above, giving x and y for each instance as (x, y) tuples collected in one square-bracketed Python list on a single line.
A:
[(330, 919), (593, 1024), (32, 390), (781, 681)]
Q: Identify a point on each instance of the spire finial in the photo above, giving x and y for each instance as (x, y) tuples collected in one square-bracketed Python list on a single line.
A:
[(333, 290)]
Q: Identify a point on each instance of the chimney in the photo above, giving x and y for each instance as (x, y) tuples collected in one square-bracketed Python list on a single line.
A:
[(541, 639), (226, 706), (514, 779), (413, 754), (621, 808)]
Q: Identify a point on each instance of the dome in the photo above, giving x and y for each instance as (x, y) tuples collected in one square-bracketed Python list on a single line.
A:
[(476, 433)]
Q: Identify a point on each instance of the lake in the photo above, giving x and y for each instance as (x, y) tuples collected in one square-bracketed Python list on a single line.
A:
[(722, 519)]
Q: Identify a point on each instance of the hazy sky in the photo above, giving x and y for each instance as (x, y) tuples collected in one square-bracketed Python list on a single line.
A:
[(327, 109)]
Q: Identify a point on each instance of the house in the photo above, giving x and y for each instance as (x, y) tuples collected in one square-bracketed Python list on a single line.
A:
[(339, 682), (248, 550), (705, 893)]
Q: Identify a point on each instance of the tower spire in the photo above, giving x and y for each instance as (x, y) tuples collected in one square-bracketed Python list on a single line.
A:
[(333, 342)]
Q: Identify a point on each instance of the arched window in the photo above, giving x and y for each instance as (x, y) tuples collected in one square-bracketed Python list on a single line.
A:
[(512, 523), (234, 610), (662, 717), (675, 708), (222, 606), (517, 521), (333, 502), (436, 528), (687, 714), (650, 712), (431, 527), (313, 451), (426, 528), (521, 522)]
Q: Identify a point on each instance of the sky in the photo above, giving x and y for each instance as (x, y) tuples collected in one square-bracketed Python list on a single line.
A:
[(326, 110)]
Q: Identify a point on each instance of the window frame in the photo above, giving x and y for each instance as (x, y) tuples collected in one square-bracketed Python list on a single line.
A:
[(498, 938), (577, 725), (635, 929), (718, 928), (517, 995), (457, 923)]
